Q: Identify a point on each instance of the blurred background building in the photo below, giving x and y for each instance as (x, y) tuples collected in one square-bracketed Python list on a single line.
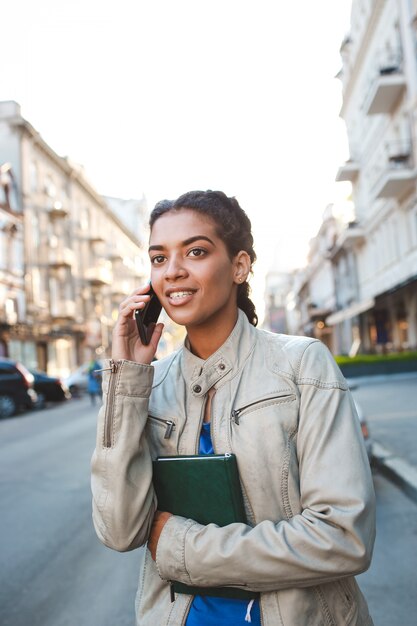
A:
[(359, 290), (67, 255)]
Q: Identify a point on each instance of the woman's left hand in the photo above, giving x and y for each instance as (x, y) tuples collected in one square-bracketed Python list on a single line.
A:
[(159, 521)]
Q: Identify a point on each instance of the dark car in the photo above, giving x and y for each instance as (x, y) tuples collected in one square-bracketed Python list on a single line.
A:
[(16, 388), (49, 389)]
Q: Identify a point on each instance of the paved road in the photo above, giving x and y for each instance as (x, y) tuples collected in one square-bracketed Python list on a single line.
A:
[(54, 571), (390, 405), (390, 584)]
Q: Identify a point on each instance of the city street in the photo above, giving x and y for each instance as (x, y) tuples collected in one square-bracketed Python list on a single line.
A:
[(55, 572), (390, 408), (389, 585)]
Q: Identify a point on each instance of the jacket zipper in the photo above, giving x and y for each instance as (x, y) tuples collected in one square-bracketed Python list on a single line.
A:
[(211, 421), (197, 446), (200, 424), (236, 413), (110, 402), (187, 610), (170, 425), (197, 449), (227, 454)]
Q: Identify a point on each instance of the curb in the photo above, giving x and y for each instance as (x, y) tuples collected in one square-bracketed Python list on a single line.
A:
[(396, 469)]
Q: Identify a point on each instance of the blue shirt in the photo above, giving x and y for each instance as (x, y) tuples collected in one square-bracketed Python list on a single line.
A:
[(210, 611)]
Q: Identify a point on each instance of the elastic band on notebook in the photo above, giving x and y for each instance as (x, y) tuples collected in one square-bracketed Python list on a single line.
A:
[(248, 610)]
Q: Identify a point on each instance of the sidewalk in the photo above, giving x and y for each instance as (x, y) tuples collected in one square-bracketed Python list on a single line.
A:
[(391, 412)]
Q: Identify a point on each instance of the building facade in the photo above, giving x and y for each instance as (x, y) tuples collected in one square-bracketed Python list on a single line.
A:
[(277, 285), (379, 78), (66, 260), (12, 287), (358, 292), (312, 297)]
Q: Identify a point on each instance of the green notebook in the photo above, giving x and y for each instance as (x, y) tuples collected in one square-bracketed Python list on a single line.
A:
[(205, 488)]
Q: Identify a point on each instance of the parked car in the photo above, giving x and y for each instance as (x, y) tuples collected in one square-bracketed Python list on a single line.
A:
[(16, 388), (77, 381), (49, 389)]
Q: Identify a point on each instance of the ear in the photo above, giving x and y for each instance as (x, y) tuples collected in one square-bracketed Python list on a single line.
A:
[(241, 264)]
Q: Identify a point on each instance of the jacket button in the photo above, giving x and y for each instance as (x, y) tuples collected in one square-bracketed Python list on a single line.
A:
[(222, 366), (197, 388)]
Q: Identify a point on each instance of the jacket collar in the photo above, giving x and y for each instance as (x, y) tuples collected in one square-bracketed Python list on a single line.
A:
[(200, 375)]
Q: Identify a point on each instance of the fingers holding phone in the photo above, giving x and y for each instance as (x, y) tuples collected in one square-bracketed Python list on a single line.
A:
[(140, 310), (147, 316)]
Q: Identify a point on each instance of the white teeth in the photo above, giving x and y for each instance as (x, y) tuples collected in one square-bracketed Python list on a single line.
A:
[(180, 294)]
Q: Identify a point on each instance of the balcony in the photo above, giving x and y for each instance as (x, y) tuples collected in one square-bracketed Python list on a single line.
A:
[(96, 239), (57, 210), (65, 309), (348, 172), (115, 257), (350, 238), (61, 257), (317, 312), (385, 90), (100, 274), (355, 309), (399, 176)]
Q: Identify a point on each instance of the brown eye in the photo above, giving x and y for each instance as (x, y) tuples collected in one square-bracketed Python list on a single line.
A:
[(196, 252), (158, 259)]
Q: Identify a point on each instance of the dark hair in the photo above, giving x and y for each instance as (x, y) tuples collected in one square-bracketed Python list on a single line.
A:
[(232, 226)]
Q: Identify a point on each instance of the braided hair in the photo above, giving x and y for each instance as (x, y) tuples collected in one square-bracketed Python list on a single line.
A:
[(232, 226)]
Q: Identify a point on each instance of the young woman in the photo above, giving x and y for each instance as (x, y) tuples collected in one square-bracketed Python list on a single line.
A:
[(279, 403)]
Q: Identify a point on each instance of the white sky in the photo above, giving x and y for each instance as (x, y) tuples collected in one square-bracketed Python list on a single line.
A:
[(164, 96)]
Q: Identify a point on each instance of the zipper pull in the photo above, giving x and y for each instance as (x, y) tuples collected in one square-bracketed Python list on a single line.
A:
[(235, 416), (169, 429), (171, 590), (112, 368)]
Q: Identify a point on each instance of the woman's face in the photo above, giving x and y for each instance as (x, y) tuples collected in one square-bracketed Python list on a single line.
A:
[(192, 273)]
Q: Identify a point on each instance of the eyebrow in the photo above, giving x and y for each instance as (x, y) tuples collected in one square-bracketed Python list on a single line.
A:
[(186, 242)]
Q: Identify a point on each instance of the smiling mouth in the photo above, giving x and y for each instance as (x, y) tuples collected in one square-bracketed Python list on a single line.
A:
[(177, 295)]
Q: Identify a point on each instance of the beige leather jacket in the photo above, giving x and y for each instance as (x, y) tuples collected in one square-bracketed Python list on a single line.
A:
[(283, 407)]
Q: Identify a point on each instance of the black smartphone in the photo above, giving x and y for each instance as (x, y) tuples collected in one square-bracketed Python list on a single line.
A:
[(147, 316)]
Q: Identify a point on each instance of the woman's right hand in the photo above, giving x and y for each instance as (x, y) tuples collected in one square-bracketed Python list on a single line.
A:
[(126, 341)]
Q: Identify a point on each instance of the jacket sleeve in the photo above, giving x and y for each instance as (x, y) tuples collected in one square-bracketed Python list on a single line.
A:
[(121, 479), (333, 535)]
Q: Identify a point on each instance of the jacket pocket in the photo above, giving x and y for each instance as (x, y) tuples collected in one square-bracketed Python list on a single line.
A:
[(168, 424), (262, 403), (262, 430), (338, 602), (162, 436)]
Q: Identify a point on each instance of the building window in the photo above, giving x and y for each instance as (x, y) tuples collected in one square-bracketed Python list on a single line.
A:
[(33, 177), (10, 307), (35, 231), (50, 188), (85, 219)]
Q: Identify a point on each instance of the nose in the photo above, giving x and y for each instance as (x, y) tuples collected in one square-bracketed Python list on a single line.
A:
[(174, 269)]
